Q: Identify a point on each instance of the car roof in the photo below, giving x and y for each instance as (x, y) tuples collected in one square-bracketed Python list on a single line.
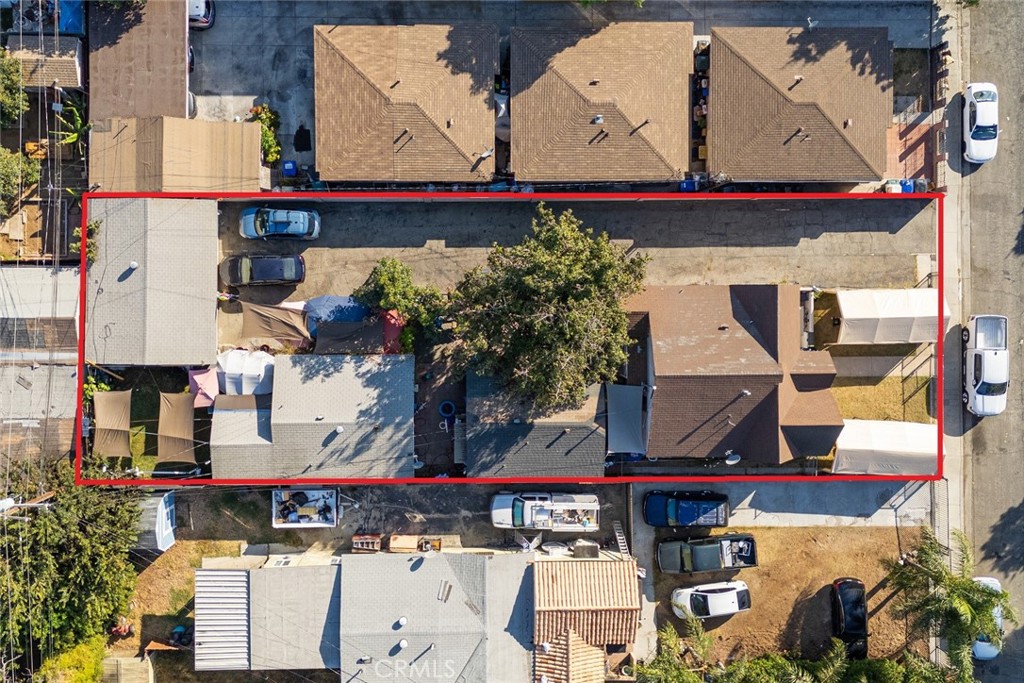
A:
[(989, 581), (996, 369)]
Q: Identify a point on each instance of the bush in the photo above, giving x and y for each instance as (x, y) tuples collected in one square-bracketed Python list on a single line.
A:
[(13, 99), (269, 121), (92, 230), (874, 671), (81, 664), (17, 173), (390, 287), (90, 387)]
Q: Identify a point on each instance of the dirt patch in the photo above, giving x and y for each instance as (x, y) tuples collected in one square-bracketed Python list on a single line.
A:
[(790, 592), (180, 668), (912, 76), (884, 398)]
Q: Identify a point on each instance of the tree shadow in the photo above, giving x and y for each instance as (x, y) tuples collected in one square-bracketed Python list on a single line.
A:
[(108, 23), (869, 50), (1004, 547), (807, 628), (1018, 244)]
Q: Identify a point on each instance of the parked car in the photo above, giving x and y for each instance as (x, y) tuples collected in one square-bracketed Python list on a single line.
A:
[(850, 616), (708, 554), (981, 122), (574, 512), (711, 600), (191, 59), (263, 269), (686, 508), (265, 223), (984, 649), (986, 367), (201, 14)]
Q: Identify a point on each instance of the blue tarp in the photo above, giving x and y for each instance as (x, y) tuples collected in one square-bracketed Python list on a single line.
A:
[(332, 308), (71, 17)]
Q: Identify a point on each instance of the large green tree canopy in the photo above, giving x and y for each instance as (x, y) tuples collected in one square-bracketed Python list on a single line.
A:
[(65, 573), (545, 316)]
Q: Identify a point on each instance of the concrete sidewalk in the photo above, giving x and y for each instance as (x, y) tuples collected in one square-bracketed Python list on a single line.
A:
[(921, 365)]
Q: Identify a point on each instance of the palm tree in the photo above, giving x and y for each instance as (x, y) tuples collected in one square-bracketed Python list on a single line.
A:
[(679, 659), (946, 601), (75, 127), (829, 669)]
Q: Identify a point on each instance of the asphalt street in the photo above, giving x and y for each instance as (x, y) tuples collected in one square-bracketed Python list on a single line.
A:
[(997, 250)]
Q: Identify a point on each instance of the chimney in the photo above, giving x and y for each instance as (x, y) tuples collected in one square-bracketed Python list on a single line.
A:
[(798, 78), (847, 123)]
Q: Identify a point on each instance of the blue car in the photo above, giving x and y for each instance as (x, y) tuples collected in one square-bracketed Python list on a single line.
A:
[(674, 509), (266, 223)]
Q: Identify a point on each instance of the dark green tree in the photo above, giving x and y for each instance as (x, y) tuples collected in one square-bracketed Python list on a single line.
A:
[(65, 573), (390, 287), (545, 316), (670, 664), (947, 602), (17, 174), (13, 99)]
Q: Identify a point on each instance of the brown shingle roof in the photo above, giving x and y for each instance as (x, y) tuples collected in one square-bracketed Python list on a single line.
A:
[(138, 67), (168, 154), (405, 103), (598, 599), (757, 104), (634, 75), (730, 374), (570, 660), (45, 59)]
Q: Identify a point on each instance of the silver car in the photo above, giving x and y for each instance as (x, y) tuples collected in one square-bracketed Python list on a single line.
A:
[(266, 223)]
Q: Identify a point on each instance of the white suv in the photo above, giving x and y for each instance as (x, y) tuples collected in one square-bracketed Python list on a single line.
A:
[(986, 364)]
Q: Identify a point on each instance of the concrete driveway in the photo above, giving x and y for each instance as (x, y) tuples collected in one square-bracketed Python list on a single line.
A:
[(848, 243), (261, 51)]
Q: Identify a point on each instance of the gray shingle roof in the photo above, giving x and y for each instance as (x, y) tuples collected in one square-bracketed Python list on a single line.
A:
[(567, 444), (164, 312), (370, 397), (793, 104), (295, 617), (37, 410), (633, 75)]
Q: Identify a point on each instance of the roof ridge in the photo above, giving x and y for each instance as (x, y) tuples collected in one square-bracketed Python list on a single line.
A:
[(440, 131)]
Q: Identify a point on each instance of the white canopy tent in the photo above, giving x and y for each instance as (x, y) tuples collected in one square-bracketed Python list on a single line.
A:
[(884, 447), (890, 316), (245, 372)]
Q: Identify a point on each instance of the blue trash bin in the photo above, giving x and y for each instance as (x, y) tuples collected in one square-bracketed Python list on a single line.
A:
[(289, 169), (688, 185), (907, 185)]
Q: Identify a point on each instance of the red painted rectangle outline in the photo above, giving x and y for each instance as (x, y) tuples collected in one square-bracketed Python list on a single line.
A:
[(512, 197)]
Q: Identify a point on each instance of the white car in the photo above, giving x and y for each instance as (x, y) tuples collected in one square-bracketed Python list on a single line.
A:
[(981, 122), (984, 649), (986, 364), (711, 600)]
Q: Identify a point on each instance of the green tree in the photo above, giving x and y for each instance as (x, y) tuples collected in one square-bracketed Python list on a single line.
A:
[(669, 665), (17, 173), (947, 602), (67, 569), (545, 316), (13, 99), (92, 231), (390, 287), (829, 669), (75, 127)]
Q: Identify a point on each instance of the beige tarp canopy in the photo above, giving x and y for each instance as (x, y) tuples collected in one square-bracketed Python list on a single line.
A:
[(113, 411), (365, 337), (273, 322), (174, 441), (890, 316), (899, 449)]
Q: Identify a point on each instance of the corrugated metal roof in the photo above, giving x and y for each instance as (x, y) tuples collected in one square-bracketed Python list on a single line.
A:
[(598, 599), (46, 60), (604, 104), (408, 103), (222, 620), (164, 312), (166, 154)]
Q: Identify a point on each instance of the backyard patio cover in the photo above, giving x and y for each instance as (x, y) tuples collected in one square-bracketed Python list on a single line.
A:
[(625, 418), (890, 316), (175, 431), (885, 447), (113, 412), (273, 322), (240, 371)]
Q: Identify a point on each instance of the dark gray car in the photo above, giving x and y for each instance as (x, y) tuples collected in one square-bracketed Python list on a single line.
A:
[(263, 269)]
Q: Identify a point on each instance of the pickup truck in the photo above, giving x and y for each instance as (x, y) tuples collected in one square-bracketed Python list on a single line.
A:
[(708, 554), (674, 509), (986, 364), (573, 512)]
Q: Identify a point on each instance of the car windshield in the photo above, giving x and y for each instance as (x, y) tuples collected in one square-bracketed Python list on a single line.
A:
[(985, 96), (245, 270), (991, 389), (517, 511), (699, 605), (984, 133), (290, 268), (259, 222)]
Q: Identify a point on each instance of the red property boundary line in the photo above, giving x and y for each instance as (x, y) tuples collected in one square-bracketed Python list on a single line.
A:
[(500, 197)]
